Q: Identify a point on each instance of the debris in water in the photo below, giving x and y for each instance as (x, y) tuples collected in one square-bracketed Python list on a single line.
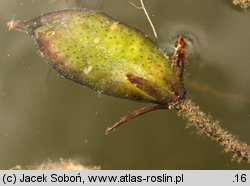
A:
[(67, 164), (242, 3)]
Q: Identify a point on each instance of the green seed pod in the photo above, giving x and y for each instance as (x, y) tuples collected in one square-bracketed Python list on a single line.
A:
[(99, 52), (95, 50)]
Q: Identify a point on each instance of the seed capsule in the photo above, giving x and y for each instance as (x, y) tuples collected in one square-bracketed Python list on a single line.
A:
[(101, 53), (97, 51)]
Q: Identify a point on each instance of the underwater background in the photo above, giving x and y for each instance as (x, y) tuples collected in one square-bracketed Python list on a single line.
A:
[(44, 116)]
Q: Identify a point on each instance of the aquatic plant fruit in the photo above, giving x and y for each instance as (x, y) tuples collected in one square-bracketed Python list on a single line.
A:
[(93, 49)]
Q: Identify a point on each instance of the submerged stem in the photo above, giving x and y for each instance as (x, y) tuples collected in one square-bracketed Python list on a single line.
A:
[(207, 125)]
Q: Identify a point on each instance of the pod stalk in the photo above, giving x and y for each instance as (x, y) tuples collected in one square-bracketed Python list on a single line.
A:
[(205, 124)]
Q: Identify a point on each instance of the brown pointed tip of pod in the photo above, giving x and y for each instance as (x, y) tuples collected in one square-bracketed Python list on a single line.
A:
[(15, 25), (23, 26)]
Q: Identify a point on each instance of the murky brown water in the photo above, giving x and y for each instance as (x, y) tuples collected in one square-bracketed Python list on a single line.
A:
[(46, 116)]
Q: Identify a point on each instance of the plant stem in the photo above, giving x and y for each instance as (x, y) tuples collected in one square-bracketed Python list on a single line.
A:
[(211, 128)]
